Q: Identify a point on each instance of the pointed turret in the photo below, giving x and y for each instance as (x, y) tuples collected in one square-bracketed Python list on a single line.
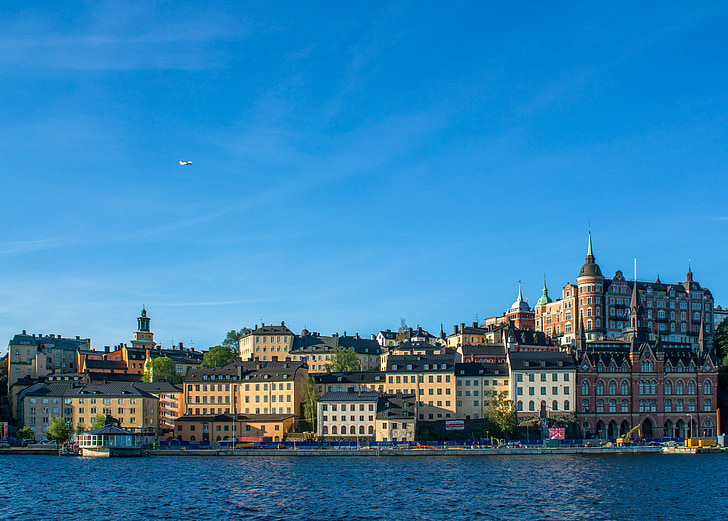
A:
[(545, 299), (590, 267), (701, 335)]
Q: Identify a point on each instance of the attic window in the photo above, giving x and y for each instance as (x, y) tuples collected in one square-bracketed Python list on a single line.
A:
[(427, 366), (394, 367), (543, 364)]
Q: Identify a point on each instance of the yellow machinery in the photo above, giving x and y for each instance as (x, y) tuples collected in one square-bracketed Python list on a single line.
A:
[(625, 439), (497, 441)]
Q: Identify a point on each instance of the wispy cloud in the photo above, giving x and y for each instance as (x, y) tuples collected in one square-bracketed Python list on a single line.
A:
[(20, 247), (119, 36)]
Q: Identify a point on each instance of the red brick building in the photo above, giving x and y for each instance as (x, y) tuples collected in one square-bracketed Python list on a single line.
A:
[(672, 312), (639, 378)]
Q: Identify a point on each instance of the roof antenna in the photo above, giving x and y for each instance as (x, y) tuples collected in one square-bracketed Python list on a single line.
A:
[(635, 269)]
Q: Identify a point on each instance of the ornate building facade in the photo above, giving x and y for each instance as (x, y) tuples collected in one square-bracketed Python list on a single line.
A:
[(673, 312)]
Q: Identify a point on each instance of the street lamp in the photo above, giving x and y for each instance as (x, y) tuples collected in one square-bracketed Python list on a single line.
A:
[(690, 426)]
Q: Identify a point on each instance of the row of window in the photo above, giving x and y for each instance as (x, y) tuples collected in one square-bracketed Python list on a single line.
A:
[(542, 377), (352, 431), (532, 391), (647, 387), (532, 405)]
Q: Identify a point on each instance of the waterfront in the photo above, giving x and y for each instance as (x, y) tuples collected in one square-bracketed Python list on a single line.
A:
[(621, 487)]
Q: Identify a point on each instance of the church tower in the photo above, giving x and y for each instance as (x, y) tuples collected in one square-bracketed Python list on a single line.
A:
[(143, 336)]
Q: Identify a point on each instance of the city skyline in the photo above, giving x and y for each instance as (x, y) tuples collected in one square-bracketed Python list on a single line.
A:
[(351, 165)]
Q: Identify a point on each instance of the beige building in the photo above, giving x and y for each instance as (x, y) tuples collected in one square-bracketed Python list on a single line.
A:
[(347, 415), (430, 377), (250, 388), (351, 382), (267, 343), (543, 380), (34, 356), (79, 404), (233, 428), (396, 419), (476, 383), (169, 397)]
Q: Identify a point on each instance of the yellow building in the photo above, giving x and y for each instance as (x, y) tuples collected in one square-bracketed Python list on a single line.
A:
[(79, 403), (476, 383), (474, 334), (267, 343), (251, 388), (431, 378), (239, 428)]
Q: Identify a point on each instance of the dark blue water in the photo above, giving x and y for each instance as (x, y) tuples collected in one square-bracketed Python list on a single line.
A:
[(613, 487)]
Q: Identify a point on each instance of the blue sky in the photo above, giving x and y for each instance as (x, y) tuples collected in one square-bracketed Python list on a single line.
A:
[(354, 163)]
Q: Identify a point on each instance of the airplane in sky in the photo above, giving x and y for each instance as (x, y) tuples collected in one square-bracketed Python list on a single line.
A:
[(185, 163)]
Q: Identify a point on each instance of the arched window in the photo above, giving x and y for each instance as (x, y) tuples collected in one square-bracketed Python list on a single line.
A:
[(519, 405), (668, 387), (679, 387), (641, 388), (531, 406), (192, 438), (326, 429), (612, 388), (584, 388), (706, 387), (371, 429), (334, 430), (625, 387), (566, 405), (600, 388), (653, 385), (691, 387), (555, 406)]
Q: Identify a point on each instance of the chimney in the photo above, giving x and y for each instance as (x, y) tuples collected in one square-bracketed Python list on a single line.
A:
[(455, 329), (475, 324), (107, 349), (78, 337), (283, 323), (372, 337), (462, 327), (24, 332), (181, 346), (344, 333)]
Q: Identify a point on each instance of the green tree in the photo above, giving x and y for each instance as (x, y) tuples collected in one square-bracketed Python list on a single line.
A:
[(310, 397), (720, 341), (232, 340), (501, 412), (58, 430), (99, 421), (80, 428), (219, 356), (344, 360), (4, 375), (26, 433), (161, 369)]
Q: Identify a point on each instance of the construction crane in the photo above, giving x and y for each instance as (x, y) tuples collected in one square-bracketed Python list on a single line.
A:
[(625, 439)]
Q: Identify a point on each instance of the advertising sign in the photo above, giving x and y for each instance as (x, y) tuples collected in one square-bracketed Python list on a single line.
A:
[(557, 433), (454, 425)]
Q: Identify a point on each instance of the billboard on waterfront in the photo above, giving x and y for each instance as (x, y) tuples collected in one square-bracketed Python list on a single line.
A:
[(557, 433), (454, 425)]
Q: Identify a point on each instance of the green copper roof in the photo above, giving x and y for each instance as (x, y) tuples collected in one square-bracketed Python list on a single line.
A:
[(545, 299)]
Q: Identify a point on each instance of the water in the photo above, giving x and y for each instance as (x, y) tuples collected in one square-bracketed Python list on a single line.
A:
[(609, 487)]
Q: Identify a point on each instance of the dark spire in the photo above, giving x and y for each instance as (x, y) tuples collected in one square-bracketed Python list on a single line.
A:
[(701, 335), (590, 267)]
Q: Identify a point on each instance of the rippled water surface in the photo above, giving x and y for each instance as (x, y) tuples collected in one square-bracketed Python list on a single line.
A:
[(486, 487)]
